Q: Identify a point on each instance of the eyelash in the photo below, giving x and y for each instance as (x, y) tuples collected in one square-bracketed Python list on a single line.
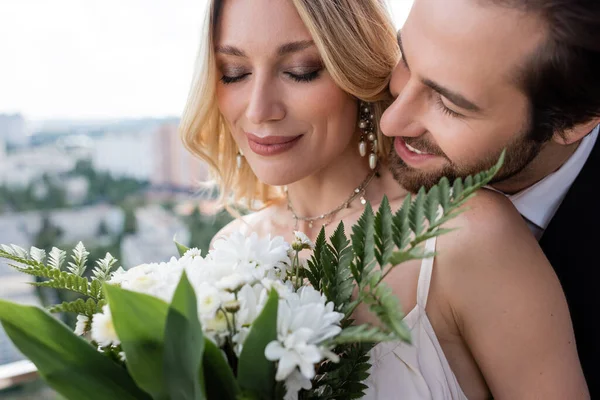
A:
[(304, 78), (446, 110)]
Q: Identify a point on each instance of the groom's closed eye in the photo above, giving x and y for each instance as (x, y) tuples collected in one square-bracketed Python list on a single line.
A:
[(452, 96)]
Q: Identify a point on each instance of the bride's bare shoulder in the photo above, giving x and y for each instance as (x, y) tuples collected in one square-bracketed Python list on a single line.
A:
[(256, 221)]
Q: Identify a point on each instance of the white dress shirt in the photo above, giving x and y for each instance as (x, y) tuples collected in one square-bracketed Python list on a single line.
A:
[(538, 203)]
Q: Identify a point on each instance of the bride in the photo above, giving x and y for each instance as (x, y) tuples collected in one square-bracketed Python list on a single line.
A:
[(288, 94)]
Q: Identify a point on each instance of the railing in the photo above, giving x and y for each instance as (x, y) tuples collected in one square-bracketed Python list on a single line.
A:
[(17, 373)]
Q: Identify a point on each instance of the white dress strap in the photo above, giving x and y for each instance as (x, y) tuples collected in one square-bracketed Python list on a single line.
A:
[(425, 274)]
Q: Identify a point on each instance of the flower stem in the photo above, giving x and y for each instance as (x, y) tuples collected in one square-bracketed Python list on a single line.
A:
[(297, 267)]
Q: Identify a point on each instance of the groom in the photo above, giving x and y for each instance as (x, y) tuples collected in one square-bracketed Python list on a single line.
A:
[(478, 76)]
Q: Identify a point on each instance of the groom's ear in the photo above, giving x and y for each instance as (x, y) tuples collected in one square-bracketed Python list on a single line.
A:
[(576, 133)]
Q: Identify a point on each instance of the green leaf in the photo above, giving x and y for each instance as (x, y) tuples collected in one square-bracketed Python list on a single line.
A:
[(344, 380), (399, 257), (335, 261), (218, 378), (69, 364), (184, 345), (139, 321), (401, 226), (384, 242), (315, 272), (417, 213), (86, 307), (180, 248), (385, 305), (363, 244), (56, 258), (256, 374), (362, 333)]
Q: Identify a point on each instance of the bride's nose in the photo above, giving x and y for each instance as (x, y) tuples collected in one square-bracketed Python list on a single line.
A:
[(264, 103)]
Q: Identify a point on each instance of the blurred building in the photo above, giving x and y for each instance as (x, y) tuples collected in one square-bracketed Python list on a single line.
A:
[(20, 168), (153, 240), (13, 130), (128, 154), (175, 168), (80, 224)]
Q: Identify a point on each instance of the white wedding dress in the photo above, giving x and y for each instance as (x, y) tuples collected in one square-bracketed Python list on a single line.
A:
[(416, 371)]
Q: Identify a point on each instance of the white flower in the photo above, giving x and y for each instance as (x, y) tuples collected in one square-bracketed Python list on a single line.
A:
[(209, 300), (190, 256), (193, 252), (218, 324), (284, 289), (294, 383), (234, 282), (294, 352), (302, 242), (103, 329), (249, 254), (82, 321), (304, 320), (159, 280)]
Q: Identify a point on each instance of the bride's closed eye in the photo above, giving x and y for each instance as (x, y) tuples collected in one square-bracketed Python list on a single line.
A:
[(300, 75), (304, 74)]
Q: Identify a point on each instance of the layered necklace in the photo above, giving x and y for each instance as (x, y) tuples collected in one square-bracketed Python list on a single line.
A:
[(325, 219)]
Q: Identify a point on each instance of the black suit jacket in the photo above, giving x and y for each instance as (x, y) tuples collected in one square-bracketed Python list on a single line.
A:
[(572, 244)]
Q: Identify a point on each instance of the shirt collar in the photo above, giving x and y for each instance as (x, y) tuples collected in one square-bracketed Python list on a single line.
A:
[(539, 203)]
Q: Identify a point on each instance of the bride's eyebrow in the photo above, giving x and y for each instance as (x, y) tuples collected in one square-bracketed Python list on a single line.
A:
[(284, 49), (230, 51), (294, 47)]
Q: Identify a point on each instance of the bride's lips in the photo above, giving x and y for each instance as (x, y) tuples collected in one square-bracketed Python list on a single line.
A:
[(271, 145)]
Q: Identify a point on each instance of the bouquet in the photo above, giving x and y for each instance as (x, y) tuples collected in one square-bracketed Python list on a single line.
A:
[(250, 319)]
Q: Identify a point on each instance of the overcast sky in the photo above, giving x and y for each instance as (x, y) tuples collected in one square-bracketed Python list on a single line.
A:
[(102, 58)]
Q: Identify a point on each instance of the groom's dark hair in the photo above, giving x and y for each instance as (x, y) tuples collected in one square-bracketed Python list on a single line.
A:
[(562, 77)]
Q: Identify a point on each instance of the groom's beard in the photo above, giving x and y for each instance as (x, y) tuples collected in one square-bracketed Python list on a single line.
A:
[(518, 156)]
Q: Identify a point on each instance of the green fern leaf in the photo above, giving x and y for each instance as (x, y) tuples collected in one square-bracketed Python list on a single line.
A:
[(79, 256), (417, 213), (344, 379), (401, 226), (362, 333), (363, 245), (104, 266), (96, 289), (385, 305), (37, 255), (56, 258), (314, 272), (384, 242)]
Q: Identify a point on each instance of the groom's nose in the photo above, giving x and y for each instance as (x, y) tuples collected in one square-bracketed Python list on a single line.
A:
[(403, 116)]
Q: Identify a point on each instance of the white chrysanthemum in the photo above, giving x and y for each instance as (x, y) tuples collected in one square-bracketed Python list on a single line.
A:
[(190, 256), (242, 254), (294, 383), (284, 289), (302, 242), (103, 329), (304, 320), (218, 326), (159, 280), (234, 282), (80, 326), (209, 300), (292, 352)]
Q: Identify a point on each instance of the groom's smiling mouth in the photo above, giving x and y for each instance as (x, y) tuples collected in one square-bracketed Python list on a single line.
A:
[(414, 155), (417, 151)]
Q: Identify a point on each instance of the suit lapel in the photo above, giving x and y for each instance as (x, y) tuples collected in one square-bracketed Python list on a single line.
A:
[(572, 243)]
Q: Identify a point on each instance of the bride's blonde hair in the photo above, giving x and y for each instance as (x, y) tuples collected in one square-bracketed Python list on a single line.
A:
[(357, 42)]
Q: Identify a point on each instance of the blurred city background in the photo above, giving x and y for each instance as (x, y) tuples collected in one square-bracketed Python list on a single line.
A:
[(90, 97)]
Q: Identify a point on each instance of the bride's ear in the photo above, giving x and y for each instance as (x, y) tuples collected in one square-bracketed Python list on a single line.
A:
[(576, 133)]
